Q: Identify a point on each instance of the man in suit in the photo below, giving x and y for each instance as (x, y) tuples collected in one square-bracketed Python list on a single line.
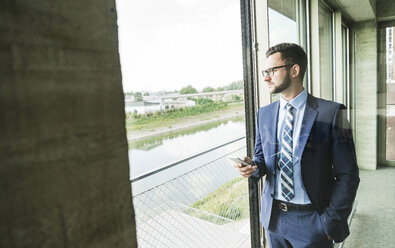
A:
[(304, 147)]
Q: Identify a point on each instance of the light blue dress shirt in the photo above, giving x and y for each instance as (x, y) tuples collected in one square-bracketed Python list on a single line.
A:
[(299, 104)]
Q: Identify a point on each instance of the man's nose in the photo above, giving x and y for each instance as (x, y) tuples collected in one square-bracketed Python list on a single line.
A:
[(267, 78)]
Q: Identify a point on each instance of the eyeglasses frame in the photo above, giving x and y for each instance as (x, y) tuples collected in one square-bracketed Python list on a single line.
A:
[(271, 73)]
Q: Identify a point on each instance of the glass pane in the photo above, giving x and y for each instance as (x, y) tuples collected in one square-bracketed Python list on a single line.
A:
[(390, 78), (283, 25), (326, 66), (182, 75)]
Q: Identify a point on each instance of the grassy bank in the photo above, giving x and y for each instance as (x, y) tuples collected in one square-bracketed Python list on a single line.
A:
[(229, 201), (153, 141), (170, 118)]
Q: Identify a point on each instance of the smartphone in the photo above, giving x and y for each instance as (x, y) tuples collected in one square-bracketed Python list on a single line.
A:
[(239, 160)]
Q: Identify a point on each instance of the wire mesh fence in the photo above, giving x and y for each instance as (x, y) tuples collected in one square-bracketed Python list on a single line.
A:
[(205, 207)]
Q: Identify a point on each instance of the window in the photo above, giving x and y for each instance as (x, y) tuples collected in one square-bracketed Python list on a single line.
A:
[(182, 75), (283, 26), (390, 98), (326, 51)]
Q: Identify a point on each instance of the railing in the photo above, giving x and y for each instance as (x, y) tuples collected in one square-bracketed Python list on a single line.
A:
[(204, 207), (176, 96)]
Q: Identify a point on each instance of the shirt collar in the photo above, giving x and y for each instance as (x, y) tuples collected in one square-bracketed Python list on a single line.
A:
[(297, 102)]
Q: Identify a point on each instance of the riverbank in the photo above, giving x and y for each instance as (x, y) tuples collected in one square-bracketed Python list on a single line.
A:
[(185, 123)]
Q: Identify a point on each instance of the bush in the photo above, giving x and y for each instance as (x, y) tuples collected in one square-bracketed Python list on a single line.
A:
[(138, 97), (136, 116), (236, 98), (203, 101)]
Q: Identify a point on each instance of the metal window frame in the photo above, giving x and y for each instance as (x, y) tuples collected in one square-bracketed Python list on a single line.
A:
[(252, 20), (249, 47)]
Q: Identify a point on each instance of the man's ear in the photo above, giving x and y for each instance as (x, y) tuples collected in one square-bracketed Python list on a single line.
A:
[(295, 71)]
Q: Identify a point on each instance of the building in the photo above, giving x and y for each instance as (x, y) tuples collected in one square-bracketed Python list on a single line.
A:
[(64, 161)]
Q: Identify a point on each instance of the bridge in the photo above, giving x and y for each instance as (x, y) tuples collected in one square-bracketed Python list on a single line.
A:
[(177, 96)]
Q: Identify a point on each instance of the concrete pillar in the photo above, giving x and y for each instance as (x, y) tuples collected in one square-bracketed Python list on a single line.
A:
[(64, 179), (366, 94), (161, 105)]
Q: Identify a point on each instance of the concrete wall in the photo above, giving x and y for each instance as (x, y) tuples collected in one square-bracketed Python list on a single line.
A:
[(366, 94), (63, 148)]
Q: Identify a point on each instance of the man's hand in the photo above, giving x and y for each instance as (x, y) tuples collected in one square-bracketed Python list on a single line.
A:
[(246, 171)]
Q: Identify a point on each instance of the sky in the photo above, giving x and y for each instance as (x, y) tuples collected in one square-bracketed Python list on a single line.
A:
[(281, 29), (169, 44), (165, 45)]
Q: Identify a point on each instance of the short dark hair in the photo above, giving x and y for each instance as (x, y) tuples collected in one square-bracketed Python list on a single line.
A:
[(292, 54)]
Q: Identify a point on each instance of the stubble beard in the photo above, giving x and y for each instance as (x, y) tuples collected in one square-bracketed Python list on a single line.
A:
[(282, 86)]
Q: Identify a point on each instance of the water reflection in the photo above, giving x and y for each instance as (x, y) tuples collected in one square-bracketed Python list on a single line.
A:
[(152, 142), (154, 153)]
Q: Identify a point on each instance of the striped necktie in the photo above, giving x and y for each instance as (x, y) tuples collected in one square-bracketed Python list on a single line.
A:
[(285, 161)]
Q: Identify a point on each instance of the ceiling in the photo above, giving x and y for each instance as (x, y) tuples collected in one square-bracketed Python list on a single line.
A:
[(355, 10), (364, 10)]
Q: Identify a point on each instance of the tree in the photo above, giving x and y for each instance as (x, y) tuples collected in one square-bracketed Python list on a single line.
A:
[(146, 94), (237, 85), (129, 95), (188, 90), (138, 97), (208, 89), (203, 101)]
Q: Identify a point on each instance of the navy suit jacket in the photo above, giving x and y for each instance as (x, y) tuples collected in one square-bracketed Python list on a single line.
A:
[(328, 162)]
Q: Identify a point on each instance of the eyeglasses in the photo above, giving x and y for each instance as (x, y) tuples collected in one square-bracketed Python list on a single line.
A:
[(271, 71)]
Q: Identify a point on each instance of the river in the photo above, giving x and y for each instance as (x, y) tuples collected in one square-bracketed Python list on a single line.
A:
[(152, 154)]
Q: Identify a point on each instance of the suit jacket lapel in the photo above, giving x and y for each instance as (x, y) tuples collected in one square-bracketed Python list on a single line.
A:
[(310, 113), (272, 135)]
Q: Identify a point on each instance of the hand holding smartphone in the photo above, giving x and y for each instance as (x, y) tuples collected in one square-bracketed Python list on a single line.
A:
[(239, 160)]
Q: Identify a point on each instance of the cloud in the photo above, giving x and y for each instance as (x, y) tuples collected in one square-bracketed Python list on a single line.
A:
[(187, 2), (280, 35)]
